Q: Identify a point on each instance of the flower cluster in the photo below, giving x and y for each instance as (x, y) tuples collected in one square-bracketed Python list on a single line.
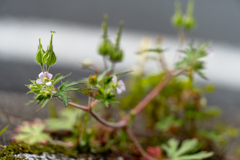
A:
[(44, 78)]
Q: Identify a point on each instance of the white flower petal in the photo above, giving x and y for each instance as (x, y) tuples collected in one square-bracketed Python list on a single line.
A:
[(42, 75), (49, 75), (39, 81), (48, 83), (114, 79), (119, 91), (122, 85)]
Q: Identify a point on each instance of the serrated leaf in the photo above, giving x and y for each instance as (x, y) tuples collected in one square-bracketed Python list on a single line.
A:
[(63, 96), (176, 153), (186, 146), (32, 133), (57, 78), (65, 87)]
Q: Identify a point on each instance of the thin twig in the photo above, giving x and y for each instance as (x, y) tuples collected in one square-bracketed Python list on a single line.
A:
[(116, 125), (113, 67), (84, 108), (163, 62), (138, 145), (105, 63), (151, 95)]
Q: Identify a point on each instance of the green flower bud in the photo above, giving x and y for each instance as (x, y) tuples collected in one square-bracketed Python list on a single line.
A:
[(189, 22), (49, 57), (86, 63), (34, 88), (116, 55), (43, 95), (40, 53), (177, 17), (93, 79), (105, 47)]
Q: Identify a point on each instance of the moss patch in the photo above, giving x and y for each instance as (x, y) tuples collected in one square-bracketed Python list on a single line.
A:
[(16, 148)]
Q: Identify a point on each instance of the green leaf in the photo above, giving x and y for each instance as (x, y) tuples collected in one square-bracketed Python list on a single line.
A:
[(123, 72), (65, 87), (4, 129), (197, 156), (63, 96), (43, 104), (57, 78), (113, 101), (167, 122), (175, 152), (156, 50), (88, 89), (193, 59), (67, 120), (32, 133), (102, 76)]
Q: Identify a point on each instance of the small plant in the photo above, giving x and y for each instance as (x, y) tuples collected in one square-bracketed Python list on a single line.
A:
[(172, 105), (32, 133)]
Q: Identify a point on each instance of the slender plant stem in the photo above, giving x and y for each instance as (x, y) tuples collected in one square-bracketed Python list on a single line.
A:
[(163, 62), (113, 67), (105, 62), (116, 125), (89, 101), (84, 108), (138, 145), (151, 95)]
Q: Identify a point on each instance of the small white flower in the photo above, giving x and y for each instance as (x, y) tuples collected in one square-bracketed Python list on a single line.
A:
[(43, 77), (119, 85)]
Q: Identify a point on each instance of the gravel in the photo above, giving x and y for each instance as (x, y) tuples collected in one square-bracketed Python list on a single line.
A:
[(47, 156)]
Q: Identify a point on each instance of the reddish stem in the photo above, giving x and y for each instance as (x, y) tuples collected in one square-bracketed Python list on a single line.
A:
[(139, 147), (116, 125), (84, 108), (151, 95)]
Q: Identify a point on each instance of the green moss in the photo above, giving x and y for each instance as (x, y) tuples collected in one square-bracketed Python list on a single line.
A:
[(16, 148)]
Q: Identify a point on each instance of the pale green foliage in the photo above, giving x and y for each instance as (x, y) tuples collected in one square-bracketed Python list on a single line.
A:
[(176, 152), (168, 122), (193, 59), (66, 121), (32, 133)]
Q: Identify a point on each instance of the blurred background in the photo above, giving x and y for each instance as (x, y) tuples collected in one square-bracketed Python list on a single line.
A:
[(78, 30)]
